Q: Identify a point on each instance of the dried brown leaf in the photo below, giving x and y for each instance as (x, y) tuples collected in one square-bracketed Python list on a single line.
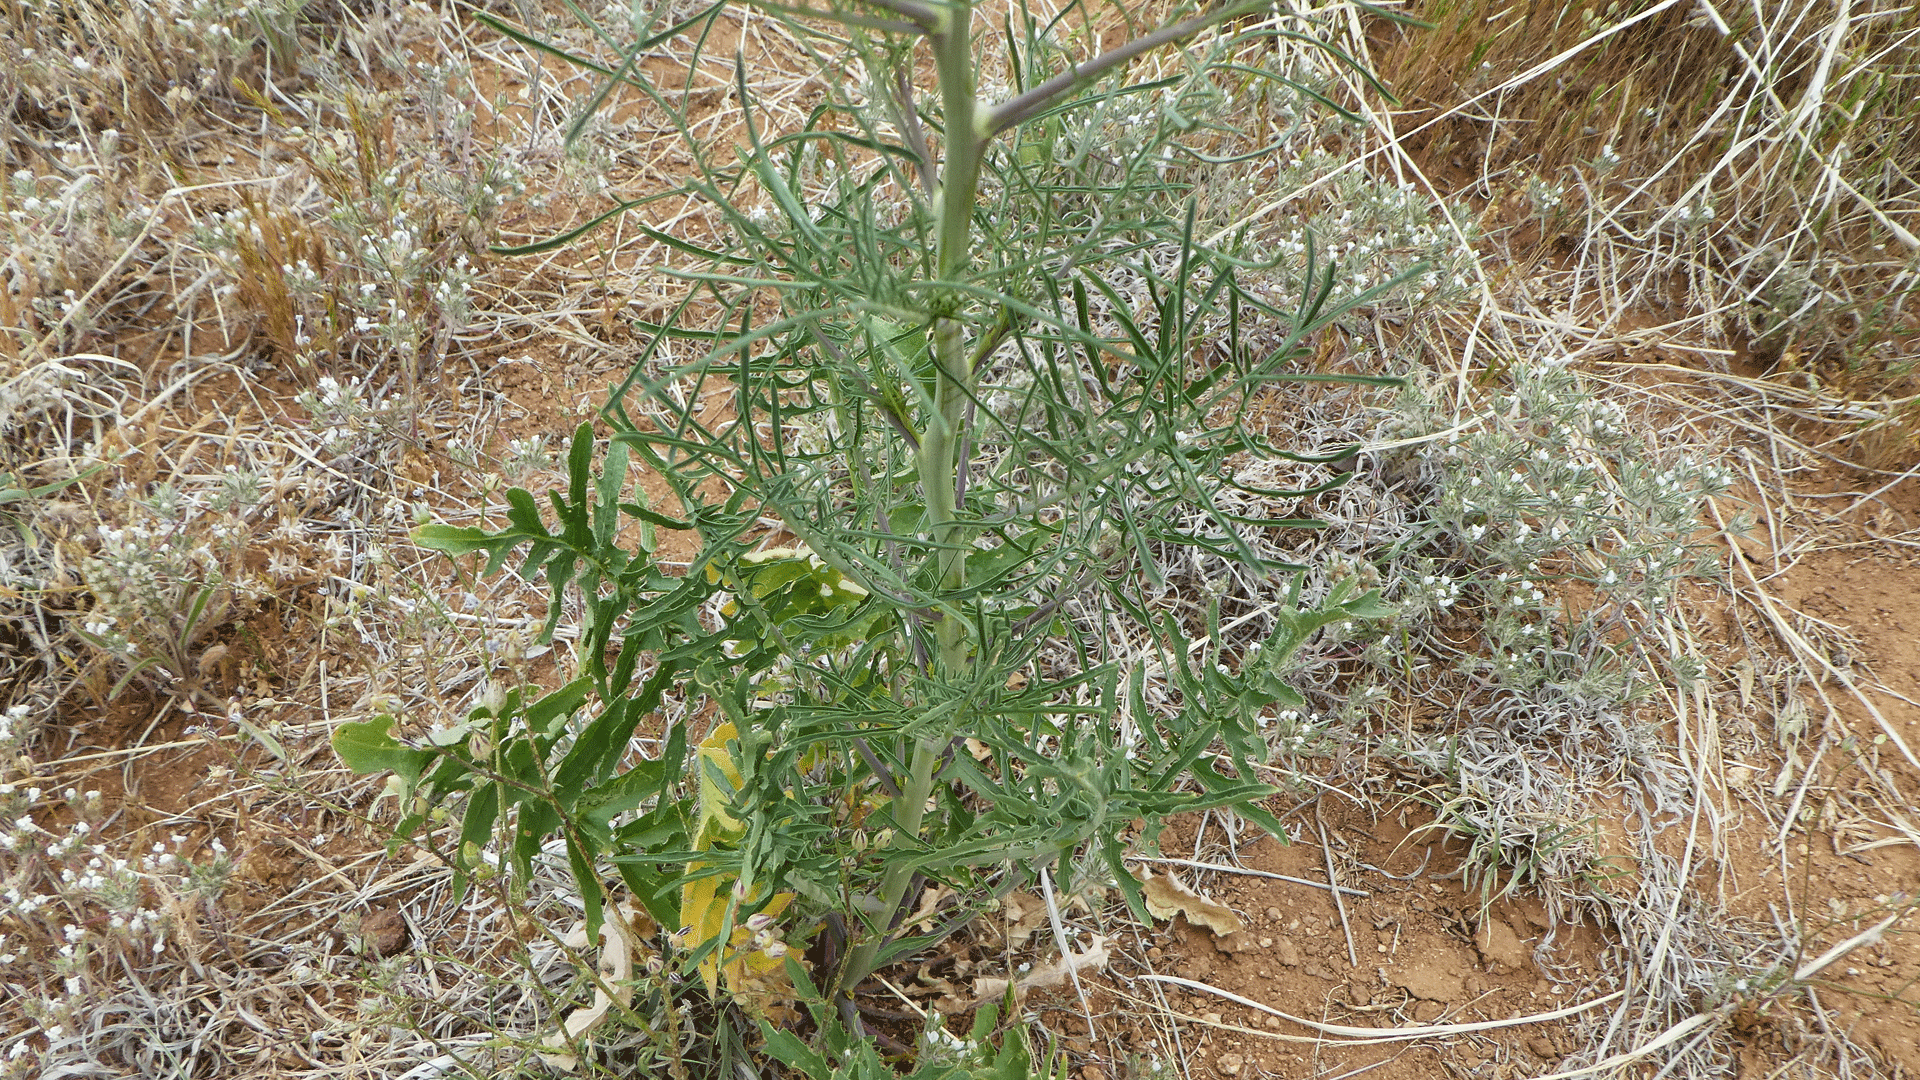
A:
[(923, 918), (1167, 896), (1021, 914), (615, 969), (1092, 958)]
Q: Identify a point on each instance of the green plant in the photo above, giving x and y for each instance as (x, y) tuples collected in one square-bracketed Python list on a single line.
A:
[(986, 392), (943, 1056)]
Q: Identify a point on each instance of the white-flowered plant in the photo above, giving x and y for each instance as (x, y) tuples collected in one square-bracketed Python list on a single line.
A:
[(342, 414), (527, 456), (80, 912), (1556, 487), (1547, 199), (173, 572)]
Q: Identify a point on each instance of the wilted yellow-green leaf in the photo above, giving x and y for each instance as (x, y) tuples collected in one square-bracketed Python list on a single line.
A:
[(715, 821), (767, 555), (703, 906), (755, 971), (751, 962)]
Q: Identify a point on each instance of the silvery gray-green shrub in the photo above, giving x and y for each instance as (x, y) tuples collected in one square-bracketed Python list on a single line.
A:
[(979, 369)]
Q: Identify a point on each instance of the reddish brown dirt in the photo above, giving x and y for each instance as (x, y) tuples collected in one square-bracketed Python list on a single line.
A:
[(1850, 864), (1427, 953)]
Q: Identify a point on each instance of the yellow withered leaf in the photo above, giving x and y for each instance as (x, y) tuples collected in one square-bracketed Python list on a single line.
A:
[(715, 821), (751, 960)]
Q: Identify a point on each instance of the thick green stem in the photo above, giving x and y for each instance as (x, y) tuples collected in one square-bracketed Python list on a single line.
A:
[(939, 472), (908, 809), (960, 172), (959, 188), (939, 464)]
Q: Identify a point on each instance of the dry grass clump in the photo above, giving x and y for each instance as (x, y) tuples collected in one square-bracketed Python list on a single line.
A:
[(1741, 173)]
